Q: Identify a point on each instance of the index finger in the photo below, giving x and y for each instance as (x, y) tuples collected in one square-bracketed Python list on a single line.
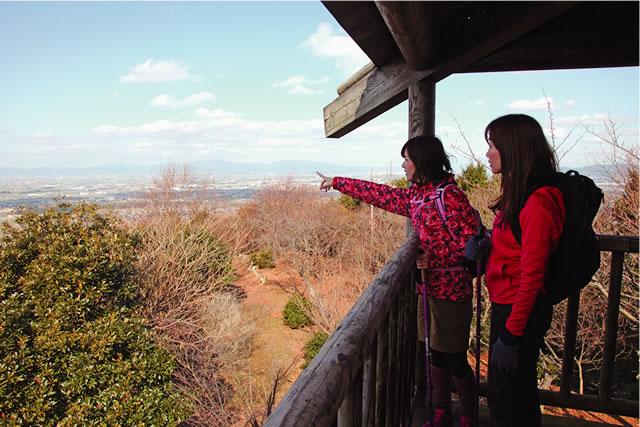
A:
[(321, 176)]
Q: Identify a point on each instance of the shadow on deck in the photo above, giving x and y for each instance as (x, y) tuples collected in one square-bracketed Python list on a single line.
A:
[(548, 420)]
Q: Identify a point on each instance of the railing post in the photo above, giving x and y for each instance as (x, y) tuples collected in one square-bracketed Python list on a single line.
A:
[(570, 332), (611, 324), (381, 373), (350, 412), (391, 380), (369, 386)]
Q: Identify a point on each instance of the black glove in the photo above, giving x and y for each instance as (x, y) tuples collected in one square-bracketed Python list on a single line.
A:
[(477, 249), (505, 352), (479, 246)]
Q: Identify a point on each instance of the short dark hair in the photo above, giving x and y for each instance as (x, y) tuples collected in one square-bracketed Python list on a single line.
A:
[(428, 155), (524, 153)]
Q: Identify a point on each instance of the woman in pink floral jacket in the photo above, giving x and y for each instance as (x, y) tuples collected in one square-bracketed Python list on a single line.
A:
[(442, 239)]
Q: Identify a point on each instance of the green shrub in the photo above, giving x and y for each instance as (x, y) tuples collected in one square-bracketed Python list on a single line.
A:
[(72, 349), (473, 176), (400, 182), (348, 202), (263, 259), (295, 312), (312, 347)]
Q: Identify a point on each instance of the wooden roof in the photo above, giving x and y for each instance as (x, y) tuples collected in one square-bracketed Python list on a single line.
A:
[(411, 41)]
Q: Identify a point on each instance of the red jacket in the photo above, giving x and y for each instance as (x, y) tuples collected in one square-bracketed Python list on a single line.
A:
[(414, 202), (515, 274)]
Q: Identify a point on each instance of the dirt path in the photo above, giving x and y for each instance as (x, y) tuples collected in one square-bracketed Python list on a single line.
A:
[(276, 346)]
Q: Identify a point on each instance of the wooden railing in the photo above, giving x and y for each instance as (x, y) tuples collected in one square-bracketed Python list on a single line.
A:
[(365, 373), (618, 246)]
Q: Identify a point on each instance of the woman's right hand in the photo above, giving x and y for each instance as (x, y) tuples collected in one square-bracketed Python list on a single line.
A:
[(327, 182), (422, 261)]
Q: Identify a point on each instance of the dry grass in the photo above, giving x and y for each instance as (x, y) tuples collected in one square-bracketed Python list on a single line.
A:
[(335, 251), (186, 279)]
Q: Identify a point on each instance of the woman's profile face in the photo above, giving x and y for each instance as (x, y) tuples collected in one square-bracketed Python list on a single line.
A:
[(408, 166), (493, 155)]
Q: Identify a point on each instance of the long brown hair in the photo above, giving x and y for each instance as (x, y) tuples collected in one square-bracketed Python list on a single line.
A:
[(524, 154)]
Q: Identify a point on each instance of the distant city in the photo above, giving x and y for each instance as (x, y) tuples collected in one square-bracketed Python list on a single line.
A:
[(231, 182)]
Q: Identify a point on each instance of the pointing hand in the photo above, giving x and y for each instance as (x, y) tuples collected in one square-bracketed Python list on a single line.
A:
[(327, 182)]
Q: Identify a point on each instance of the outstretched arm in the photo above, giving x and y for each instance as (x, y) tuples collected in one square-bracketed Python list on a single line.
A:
[(395, 200)]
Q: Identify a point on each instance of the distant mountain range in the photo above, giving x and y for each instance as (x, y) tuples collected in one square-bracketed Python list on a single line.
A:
[(226, 168), (214, 167)]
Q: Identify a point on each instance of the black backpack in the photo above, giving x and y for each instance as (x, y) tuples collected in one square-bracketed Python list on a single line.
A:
[(577, 257)]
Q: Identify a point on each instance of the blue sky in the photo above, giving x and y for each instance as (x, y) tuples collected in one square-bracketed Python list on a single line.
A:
[(87, 84)]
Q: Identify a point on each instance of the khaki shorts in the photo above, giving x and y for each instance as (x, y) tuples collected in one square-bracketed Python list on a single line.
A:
[(450, 324)]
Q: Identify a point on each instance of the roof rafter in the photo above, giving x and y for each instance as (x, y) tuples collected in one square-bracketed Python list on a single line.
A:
[(386, 86)]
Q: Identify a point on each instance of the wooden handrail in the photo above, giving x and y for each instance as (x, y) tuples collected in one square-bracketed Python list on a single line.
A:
[(609, 243)]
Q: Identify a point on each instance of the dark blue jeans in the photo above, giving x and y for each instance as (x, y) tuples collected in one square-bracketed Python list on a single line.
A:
[(513, 397)]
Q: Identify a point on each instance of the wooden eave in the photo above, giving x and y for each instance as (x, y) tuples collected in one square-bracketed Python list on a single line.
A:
[(464, 37)]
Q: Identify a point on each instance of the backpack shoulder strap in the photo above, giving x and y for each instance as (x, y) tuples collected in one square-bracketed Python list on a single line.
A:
[(440, 206), (553, 180)]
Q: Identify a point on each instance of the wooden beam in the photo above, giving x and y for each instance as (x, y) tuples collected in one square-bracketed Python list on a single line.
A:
[(362, 21), (411, 26), (356, 77), (594, 49), (386, 86), (377, 92)]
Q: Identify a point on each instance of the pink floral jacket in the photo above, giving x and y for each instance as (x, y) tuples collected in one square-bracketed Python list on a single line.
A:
[(445, 247)]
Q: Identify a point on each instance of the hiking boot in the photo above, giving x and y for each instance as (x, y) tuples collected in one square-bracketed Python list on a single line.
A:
[(466, 389), (466, 421), (441, 418), (441, 381)]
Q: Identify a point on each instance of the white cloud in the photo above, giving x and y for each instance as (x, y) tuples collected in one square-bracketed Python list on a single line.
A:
[(530, 105), (348, 57), (229, 135), (215, 114), (570, 103), (156, 71), (165, 100), (585, 119), (299, 84)]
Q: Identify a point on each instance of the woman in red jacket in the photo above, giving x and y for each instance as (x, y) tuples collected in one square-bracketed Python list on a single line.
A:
[(449, 291), (520, 316)]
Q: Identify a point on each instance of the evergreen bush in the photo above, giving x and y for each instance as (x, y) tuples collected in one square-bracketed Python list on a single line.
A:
[(312, 347), (72, 349), (473, 176), (263, 259), (401, 182), (295, 312), (348, 202)]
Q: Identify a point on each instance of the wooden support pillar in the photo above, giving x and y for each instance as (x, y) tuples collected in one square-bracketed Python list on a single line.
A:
[(422, 113), (422, 108)]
